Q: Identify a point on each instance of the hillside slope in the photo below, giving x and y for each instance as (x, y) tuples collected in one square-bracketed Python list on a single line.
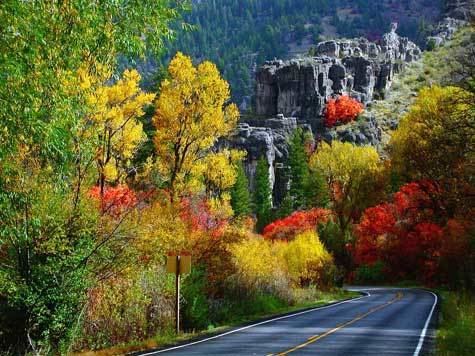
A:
[(239, 34)]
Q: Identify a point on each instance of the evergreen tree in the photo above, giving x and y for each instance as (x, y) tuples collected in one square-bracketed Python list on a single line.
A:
[(286, 207), (316, 191), (240, 197), (299, 171), (262, 194)]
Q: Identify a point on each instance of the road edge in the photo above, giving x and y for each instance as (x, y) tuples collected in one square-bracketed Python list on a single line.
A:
[(236, 328), (429, 344)]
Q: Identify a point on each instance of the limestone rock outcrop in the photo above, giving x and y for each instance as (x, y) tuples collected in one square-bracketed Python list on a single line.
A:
[(269, 139), (360, 68), (364, 132), (444, 32), (294, 93)]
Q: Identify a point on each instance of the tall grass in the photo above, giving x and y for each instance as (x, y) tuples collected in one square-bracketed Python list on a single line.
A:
[(456, 335)]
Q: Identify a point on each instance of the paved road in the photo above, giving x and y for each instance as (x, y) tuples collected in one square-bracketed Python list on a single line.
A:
[(383, 322)]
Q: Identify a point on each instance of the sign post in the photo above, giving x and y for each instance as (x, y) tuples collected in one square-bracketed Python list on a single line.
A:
[(177, 295), (178, 264)]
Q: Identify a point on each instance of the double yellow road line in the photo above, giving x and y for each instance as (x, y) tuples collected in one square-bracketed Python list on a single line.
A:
[(315, 338)]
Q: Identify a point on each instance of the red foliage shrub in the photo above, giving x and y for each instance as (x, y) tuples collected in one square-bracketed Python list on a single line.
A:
[(343, 109), (115, 200), (375, 224), (300, 221)]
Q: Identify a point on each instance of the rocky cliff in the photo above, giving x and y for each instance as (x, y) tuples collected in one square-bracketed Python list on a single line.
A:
[(266, 138), (293, 93), (301, 87)]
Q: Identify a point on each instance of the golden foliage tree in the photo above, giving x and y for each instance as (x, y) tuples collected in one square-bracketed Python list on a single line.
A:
[(437, 136), (354, 175), (192, 114), (114, 121)]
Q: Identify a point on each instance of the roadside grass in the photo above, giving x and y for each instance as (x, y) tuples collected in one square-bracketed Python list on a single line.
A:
[(261, 308), (456, 332)]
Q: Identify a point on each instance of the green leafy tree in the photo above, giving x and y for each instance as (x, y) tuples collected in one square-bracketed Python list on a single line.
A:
[(285, 208), (240, 196), (262, 194), (317, 194), (50, 246), (308, 189)]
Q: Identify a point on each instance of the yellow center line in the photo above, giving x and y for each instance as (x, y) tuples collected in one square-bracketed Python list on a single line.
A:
[(315, 338)]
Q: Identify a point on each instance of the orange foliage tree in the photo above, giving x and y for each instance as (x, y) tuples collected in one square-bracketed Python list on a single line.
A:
[(342, 109)]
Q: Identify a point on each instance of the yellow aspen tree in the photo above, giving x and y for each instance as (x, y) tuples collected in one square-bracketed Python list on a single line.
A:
[(115, 123), (192, 114), (354, 174)]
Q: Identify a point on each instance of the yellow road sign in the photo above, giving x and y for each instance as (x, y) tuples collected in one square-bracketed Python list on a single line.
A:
[(179, 263), (185, 264)]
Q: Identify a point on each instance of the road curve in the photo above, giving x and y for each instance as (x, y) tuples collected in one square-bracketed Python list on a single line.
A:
[(385, 321)]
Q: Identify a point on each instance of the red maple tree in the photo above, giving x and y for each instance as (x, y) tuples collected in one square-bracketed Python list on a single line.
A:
[(403, 234), (298, 222), (114, 201)]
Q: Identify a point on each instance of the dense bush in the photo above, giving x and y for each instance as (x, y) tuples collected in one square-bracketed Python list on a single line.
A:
[(134, 305), (370, 273), (195, 307), (265, 266), (342, 110), (308, 261), (260, 267)]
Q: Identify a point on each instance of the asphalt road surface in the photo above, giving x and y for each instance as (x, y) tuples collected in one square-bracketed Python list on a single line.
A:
[(385, 321)]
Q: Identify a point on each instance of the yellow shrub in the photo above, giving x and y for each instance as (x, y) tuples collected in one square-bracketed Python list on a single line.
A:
[(134, 305), (259, 264), (307, 259), (263, 265)]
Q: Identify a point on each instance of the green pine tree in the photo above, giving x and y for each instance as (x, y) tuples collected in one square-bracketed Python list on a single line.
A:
[(240, 196), (262, 194), (286, 207), (316, 191), (299, 171)]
